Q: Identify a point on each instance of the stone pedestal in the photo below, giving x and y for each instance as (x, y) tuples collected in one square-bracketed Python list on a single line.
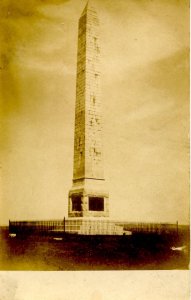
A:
[(88, 198)]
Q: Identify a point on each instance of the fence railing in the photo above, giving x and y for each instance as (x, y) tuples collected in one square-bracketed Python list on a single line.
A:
[(90, 227)]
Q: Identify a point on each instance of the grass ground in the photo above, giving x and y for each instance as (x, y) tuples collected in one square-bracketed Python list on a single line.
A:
[(136, 252)]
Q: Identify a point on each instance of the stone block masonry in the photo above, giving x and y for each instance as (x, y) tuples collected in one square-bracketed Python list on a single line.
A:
[(88, 196)]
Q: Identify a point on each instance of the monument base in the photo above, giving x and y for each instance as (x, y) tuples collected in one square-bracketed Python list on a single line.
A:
[(93, 226), (88, 198)]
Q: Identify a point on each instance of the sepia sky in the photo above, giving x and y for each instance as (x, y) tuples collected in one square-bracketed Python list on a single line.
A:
[(145, 95)]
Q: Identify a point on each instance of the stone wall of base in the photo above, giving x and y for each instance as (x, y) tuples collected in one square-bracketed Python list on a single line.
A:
[(84, 195)]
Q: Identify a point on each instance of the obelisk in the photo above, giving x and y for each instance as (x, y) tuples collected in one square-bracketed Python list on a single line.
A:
[(88, 196)]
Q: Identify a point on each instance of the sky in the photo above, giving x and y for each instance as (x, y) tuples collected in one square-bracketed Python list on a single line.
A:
[(145, 99)]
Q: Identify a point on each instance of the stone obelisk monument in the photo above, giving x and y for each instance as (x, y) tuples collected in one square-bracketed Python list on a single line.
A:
[(88, 196)]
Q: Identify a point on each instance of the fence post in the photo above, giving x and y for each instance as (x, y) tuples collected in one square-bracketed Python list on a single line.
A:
[(64, 224)]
